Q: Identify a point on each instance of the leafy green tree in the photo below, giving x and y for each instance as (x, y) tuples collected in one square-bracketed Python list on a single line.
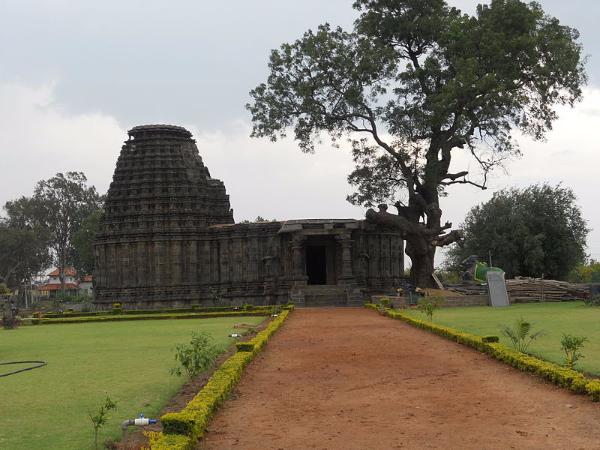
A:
[(83, 239), (24, 248), (529, 232), (586, 273), (25, 213), (55, 212), (23, 253), (414, 83)]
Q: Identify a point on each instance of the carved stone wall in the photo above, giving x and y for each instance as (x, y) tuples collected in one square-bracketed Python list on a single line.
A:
[(168, 238)]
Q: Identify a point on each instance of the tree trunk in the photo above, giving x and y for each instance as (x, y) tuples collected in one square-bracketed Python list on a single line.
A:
[(61, 277), (422, 256), (61, 273), (421, 239)]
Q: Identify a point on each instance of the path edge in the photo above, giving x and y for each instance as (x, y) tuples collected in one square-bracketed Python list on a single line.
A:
[(182, 429), (566, 378)]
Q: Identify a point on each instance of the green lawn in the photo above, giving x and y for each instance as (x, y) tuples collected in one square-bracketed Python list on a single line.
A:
[(553, 318), (130, 361)]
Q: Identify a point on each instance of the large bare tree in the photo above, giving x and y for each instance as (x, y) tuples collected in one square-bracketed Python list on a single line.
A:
[(414, 83)]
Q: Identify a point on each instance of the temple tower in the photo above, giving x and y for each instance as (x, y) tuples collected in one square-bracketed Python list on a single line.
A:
[(161, 196)]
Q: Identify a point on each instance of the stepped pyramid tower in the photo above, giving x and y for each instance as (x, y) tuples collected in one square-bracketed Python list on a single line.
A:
[(168, 239), (161, 185)]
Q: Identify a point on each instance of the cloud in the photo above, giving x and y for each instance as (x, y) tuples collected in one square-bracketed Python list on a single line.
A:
[(38, 139), (277, 180), (273, 180), (570, 154)]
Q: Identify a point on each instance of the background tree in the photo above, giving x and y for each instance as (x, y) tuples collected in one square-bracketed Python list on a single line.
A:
[(55, 213), (83, 238), (23, 254), (414, 83), (24, 248), (586, 273), (529, 232)]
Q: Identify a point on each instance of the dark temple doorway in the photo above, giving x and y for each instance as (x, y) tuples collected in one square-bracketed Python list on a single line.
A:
[(316, 264)]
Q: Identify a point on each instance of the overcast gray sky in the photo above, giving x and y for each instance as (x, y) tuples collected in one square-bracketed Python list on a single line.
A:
[(75, 75)]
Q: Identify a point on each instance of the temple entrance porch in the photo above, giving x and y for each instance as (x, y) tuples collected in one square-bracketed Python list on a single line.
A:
[(316, 264), (321, 253), (320, 259)]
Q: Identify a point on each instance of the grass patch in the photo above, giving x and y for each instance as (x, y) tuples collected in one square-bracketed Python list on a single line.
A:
[(553, 318), (130, 361)]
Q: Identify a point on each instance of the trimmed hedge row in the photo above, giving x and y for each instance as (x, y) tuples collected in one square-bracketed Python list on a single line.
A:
[(189, 423), (258, 342), (199, 309), (121, 318), (561, 376), (168, 441)]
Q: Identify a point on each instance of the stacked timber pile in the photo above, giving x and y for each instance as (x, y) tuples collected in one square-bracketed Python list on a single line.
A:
[(468, 288), (441, 292), (525, 289), (528, 289)]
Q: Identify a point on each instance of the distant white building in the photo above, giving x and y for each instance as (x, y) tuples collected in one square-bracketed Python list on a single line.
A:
[(72, 284), (86, 285)]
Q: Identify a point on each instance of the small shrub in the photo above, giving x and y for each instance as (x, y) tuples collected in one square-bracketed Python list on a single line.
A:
[(100, 417), (385, 302), (10, 322), (520, 335), (217, 298), (57, 304), (197, 356), (245, 346), (4, 290), (450, 277), (66, 298), (10, 313), (193, 419), (572, 345), (428, 305), (490, 339), (592, 301)]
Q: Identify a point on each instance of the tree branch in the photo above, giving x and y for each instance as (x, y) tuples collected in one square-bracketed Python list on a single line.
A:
[(450, 238), (454, 176), (420, 74), (483, 187)]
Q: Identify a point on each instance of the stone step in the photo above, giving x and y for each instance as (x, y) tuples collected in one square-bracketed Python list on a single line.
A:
[(324, 288), (324, 295), (323, 300)]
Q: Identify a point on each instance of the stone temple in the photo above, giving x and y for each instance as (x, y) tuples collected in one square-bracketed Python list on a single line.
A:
[(168, 239)]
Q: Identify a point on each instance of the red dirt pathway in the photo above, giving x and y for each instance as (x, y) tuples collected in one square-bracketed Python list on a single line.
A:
[(351, 379)]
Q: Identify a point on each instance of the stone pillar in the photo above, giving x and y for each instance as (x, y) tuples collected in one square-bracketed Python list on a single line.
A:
[(269, 278), (345, 242), (298, 257), (363, 274)]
